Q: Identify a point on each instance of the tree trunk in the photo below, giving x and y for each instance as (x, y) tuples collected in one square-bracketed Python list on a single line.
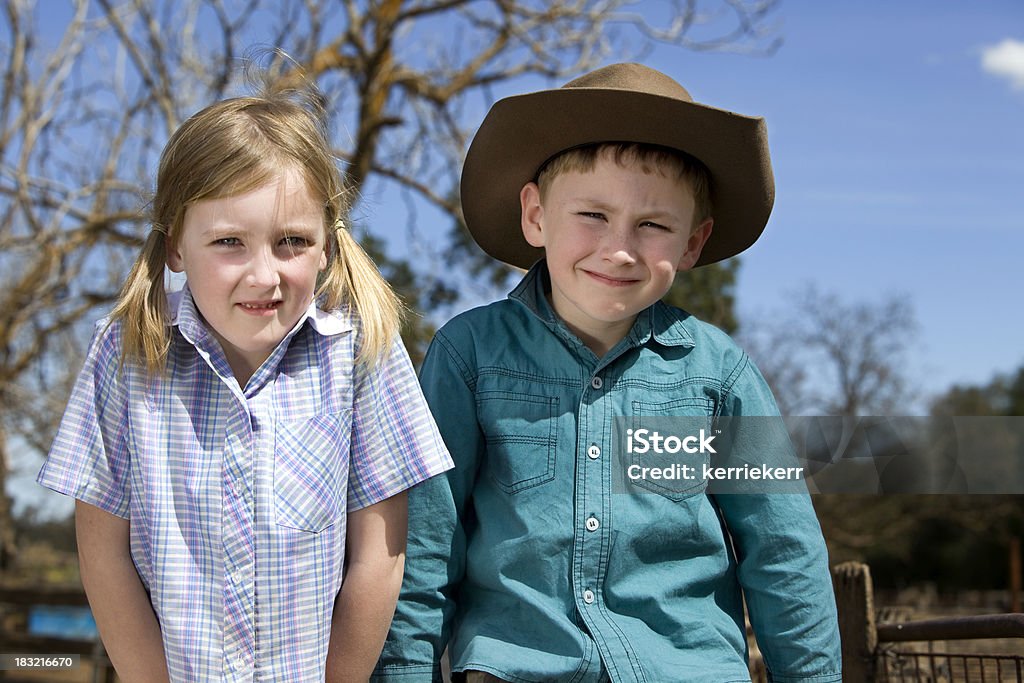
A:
[(8, 550)]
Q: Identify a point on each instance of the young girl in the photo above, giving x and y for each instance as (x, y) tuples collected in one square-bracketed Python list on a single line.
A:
[(239, 450)]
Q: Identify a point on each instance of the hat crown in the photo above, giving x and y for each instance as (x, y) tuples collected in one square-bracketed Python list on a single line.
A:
[(618, 103), (634, 78)]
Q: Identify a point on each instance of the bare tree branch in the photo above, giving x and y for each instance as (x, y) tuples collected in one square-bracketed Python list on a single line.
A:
[(91, 92)]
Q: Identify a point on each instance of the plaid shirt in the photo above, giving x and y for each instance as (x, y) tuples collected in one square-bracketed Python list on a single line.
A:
[(237, 497)]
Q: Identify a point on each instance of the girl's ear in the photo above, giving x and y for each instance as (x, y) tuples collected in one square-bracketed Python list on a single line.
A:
[(532, 214), (323, 260), (174, 260)]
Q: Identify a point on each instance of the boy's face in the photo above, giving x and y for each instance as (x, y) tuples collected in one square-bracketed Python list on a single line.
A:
[(251, 262), (614, 238)]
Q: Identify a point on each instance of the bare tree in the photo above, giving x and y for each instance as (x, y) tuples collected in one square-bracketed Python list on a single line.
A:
[(92, 90), (828, 356)]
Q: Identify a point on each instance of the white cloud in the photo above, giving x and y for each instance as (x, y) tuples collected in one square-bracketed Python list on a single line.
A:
[(1005, 59)]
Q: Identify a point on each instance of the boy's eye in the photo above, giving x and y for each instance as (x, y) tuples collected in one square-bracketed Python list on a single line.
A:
[(596, 215), (652, 224)]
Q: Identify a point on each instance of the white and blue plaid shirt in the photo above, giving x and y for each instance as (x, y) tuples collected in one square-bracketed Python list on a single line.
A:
[(237, 497)]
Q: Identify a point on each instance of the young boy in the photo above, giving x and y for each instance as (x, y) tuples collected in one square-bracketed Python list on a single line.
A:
[(525, 561)]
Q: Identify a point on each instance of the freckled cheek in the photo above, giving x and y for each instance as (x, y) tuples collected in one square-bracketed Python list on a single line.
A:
[(662, 275), (664, 267)]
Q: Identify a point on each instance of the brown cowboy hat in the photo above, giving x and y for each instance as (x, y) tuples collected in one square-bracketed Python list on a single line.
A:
[(617, 103)]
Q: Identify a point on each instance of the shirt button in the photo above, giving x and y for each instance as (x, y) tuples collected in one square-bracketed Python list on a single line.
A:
[(588, 596), (593, 524), (594, 452), (597, 382)]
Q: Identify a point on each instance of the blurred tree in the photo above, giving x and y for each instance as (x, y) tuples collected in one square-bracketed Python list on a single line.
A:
[(1002, 396), (92, 90), (708, 292), (832, 357), (841, 358), (989, 522)]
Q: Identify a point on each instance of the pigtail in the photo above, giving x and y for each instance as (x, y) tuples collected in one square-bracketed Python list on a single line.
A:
[(227, 149), (142, 307), (353, 278)]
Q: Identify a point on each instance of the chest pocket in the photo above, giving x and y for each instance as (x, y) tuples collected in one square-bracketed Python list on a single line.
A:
[(520, 431), (679, 417), (311, 471)]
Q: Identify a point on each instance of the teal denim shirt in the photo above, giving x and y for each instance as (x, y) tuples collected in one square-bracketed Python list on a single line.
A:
[(525, 562)]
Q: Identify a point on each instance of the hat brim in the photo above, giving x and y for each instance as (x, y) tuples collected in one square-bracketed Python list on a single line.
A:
[(522, 132)]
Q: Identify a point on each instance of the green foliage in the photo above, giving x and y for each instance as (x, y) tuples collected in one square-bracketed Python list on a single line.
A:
[(953, 541), (417, 330), (47, 550), (470, 260), (1004, 395), (708, 292)]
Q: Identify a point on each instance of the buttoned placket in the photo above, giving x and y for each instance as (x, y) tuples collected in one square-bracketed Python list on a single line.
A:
[(593, 503), (249, 448), (238, 536), (590, 494), (589, 500), (247, 440)]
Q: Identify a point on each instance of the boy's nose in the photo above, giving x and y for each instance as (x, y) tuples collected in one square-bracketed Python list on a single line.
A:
[(618, 246)]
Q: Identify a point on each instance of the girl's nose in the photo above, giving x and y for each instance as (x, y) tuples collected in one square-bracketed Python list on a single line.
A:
[(263, 271)]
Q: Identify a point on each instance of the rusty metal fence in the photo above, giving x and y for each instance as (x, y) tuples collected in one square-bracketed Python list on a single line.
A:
[(904, 663), (919, 651), (898, 666)]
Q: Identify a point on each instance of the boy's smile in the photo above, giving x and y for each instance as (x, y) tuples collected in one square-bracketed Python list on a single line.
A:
[(251, 262), (613, 239)]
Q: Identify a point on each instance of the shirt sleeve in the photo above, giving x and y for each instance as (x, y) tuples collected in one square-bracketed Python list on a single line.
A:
[(394, 441), (89, 459), (783, 561), (438, 522)]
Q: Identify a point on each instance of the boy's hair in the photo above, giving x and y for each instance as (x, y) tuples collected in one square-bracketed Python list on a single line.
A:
[(648, 158), (229, 148)]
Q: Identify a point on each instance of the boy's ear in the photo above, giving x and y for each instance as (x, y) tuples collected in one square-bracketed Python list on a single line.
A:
[(698, 238), (531, 214)]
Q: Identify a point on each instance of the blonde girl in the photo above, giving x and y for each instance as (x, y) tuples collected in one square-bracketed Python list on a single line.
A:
[(239, 450)]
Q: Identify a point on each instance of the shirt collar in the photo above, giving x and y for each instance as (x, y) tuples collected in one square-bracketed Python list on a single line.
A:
[(667, 325), (185, 316)]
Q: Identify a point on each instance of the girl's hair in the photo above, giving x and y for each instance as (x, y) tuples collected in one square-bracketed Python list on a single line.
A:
[(230, 148)]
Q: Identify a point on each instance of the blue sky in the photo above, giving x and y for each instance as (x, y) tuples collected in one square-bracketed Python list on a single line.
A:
[(899, 163)]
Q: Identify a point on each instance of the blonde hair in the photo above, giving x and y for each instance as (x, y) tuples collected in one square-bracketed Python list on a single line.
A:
[(648, 158), (229, 148)]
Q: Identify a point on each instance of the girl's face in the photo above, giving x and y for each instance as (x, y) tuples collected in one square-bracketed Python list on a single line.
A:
[(251, 262)]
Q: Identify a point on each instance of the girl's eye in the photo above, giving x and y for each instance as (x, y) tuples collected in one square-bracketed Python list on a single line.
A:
[(228, 241), (295, 242)]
